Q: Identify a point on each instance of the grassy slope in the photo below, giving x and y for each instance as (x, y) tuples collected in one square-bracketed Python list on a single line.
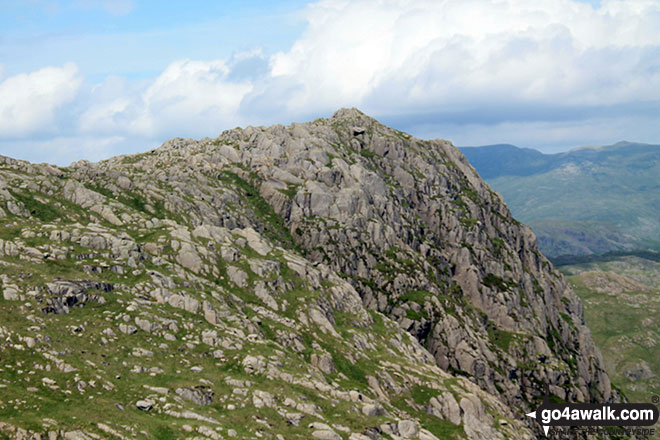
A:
[(625, 325)]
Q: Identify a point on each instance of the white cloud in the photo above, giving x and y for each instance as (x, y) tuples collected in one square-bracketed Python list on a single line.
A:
[(561, 71), (29, 102), (111, 108), (194, 94), (402, 54), (188, 98), (63, 150)]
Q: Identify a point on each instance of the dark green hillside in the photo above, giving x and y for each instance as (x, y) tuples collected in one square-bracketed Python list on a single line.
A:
[(588, 200)]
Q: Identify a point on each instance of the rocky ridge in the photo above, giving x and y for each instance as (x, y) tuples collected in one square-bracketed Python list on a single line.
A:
[(336, 279)]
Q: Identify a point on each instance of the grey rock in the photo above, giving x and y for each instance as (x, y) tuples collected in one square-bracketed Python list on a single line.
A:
[(446, 407), (373, 410), (323, 361), (191, 305), (639, 371), (143, 324), (189, 259), (237, 276), (10, 294), (14, 208), (201, 395), (77, 193), (64, 295), (141, 352), (408, 428), (145, 405), (262, 399), (264, 294), (127, 329), (356, 436), (78, 435), (326, 435)]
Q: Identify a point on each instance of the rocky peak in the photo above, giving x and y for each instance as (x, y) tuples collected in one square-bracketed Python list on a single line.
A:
[(355, 280), (352, 115)]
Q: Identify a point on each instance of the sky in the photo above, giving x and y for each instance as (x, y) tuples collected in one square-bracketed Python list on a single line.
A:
[(90, 79)]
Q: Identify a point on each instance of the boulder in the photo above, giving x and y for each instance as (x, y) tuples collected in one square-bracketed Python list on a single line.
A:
[(145, 405), (323, 361), (201, 395), (408, 428)]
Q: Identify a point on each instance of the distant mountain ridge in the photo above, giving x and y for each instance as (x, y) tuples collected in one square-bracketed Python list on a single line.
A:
[(506, 160), (587, 200)]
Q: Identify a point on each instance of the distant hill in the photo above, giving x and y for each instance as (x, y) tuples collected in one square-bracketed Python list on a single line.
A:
[(493, 161), (587, 200)]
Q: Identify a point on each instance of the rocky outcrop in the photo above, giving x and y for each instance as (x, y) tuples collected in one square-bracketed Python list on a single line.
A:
[(332, 279), (201, 395), (424, 240), (62, 295)]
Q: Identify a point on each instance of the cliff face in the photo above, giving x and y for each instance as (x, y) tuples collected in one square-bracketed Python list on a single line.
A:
[(281, 269), (424, 240)]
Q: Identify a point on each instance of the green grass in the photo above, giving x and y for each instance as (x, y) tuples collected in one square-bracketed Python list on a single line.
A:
[(498, 246), (291, 190), (500, 338), (415, 315), (100, 189), (165, 433), (367, 153), (42, 211), (356, 372), (421, 394), (418, 296), (493, 281), (443, 429), (10, 232), (469, 222), (274, 227), (133, 158), (135, 201), (626, 328)]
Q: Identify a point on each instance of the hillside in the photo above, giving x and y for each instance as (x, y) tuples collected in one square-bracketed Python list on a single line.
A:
[(622, 309), (335, 279), (588, 200)]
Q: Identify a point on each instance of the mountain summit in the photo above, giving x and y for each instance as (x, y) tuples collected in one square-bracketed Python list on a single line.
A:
[(336, 279)]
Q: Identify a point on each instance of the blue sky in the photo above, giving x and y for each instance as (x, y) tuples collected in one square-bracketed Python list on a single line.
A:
[(88, 79), (137, 39)]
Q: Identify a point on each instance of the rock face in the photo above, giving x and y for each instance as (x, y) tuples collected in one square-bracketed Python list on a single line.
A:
[(201, 395), (424, 240), (332, 279)]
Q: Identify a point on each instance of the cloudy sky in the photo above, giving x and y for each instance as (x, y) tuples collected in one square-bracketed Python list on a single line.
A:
[(88, 79)]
